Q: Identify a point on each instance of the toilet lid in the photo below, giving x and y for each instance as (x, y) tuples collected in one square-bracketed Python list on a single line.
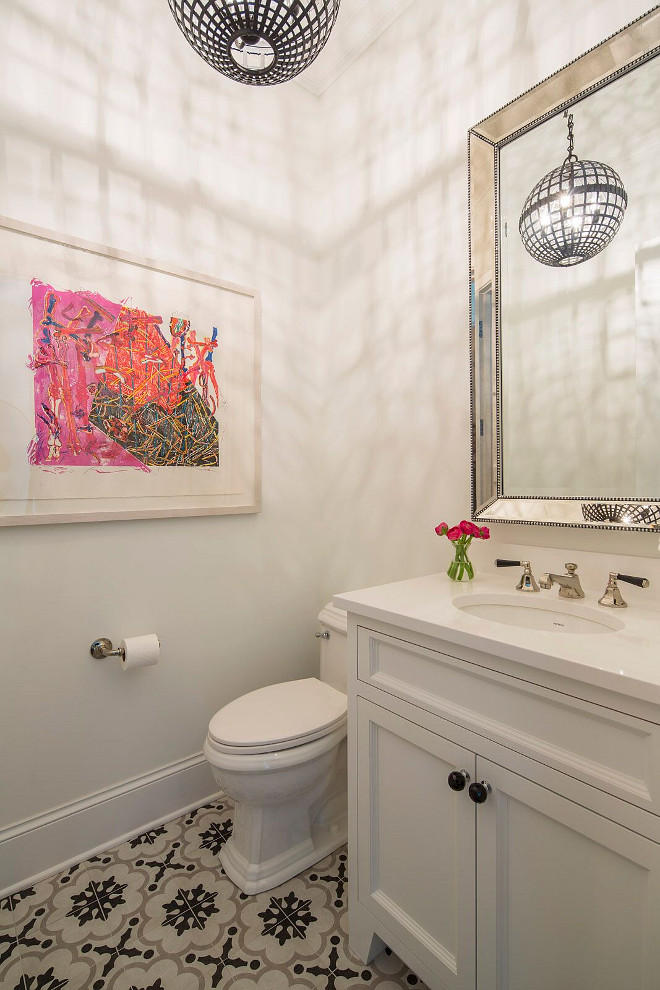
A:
[(279, 716)]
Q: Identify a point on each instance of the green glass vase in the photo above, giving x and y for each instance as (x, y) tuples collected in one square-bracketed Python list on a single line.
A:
[(461, 568)]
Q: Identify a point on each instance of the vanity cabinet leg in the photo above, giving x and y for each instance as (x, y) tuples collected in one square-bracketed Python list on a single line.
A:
[(363, 941)]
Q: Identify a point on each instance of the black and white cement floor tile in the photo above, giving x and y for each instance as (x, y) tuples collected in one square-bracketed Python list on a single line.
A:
[(90, 909), (148, 845), (156, 974), (26, 948), (63, 969), (38, 899), (47, 963), (7, 922), (159, 913), (292, 921), (205, 836), (333, 872), (188, 912), (203, 968), (318, 962), (149, 869), (9, 947)]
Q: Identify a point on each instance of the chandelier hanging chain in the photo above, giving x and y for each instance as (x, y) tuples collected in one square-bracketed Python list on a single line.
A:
[(571, 157)]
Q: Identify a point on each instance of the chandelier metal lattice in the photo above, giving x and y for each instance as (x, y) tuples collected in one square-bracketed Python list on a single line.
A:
[(627, 513), (573, 212), (257, 42)]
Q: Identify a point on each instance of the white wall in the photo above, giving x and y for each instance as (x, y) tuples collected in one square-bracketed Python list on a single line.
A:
[(349, 214), (113, 129), (394, 248)]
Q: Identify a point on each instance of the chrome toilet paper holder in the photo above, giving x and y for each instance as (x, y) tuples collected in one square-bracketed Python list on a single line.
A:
[(102, 648)]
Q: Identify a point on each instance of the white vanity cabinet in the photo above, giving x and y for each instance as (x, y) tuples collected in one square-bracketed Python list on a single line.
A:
[(553, 881)]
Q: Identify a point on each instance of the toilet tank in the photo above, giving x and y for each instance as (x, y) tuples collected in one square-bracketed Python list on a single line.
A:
[(334, 659)]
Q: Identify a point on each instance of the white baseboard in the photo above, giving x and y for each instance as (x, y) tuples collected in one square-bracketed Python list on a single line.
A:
[(45, 844)]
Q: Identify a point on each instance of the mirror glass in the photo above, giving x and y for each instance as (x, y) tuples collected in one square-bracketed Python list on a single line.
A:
[(566, 360)]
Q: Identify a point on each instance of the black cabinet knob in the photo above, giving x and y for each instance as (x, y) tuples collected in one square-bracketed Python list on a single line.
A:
[(457, 779), (479, 791)]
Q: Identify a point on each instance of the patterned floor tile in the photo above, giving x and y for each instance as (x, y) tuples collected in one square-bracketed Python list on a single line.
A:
[(214, 965), (38, 898), (148, 845), (165, 973), (159, 913), (188, 913), (205, 836), (150, 866), (49, 953), (333, 970), (94, 905), (220, 804), (274, 979), (7, 913), (9, 950), (23, 938), (390, 972), (29, 937), (333, 873), (61, 969), (291, 921)]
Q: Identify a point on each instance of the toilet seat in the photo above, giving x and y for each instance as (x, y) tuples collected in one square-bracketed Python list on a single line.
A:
[(278, 717)]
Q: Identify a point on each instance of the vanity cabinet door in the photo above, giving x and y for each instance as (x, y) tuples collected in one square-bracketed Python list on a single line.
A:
[(565, 897), (416, 841)]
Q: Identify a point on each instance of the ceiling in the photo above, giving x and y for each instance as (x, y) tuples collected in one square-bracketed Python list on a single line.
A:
[(359, 23)]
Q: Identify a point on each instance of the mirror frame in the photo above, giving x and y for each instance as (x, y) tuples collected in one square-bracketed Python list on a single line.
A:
[(619, 54)]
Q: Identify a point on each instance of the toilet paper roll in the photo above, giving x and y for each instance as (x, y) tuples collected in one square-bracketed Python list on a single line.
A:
[(140, 651)]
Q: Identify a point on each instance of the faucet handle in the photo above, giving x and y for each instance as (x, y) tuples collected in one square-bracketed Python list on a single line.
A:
[(639, 581), (612, 597), (570, 569), (527, 581)]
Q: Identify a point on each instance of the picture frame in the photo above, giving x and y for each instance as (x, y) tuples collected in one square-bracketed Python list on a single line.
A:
[(129, 388)]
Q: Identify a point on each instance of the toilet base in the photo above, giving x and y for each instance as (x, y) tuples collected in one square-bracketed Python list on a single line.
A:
[(290, 810), (253, 878)]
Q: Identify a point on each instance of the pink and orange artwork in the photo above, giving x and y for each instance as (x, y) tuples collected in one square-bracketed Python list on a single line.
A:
[(112, 390)]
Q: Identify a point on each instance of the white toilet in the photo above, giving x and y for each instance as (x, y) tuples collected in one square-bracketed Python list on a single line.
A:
[(280, 754)]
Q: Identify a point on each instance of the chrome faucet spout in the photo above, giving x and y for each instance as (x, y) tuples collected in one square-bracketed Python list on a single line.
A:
[(569, 583)]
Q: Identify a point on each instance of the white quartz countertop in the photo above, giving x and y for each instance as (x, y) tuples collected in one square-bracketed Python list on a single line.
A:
[(625, 660)]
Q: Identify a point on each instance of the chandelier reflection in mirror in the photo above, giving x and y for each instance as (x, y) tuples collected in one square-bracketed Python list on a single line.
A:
[(257, 42), (573, 212)]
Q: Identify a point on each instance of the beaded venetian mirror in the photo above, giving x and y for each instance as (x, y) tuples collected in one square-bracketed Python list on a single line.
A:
[(565, 294)]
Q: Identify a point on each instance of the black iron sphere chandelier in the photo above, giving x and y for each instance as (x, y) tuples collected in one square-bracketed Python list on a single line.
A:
[(573, 212), (257, 42)]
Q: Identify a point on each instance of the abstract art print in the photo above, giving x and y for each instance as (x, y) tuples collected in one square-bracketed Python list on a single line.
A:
[(111, 389), (138, 389)]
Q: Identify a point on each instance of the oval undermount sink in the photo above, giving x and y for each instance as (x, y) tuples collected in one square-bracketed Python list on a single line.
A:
[(527, 611)]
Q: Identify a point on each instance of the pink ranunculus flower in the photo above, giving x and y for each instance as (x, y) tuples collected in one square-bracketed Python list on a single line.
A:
[(461, 535)]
